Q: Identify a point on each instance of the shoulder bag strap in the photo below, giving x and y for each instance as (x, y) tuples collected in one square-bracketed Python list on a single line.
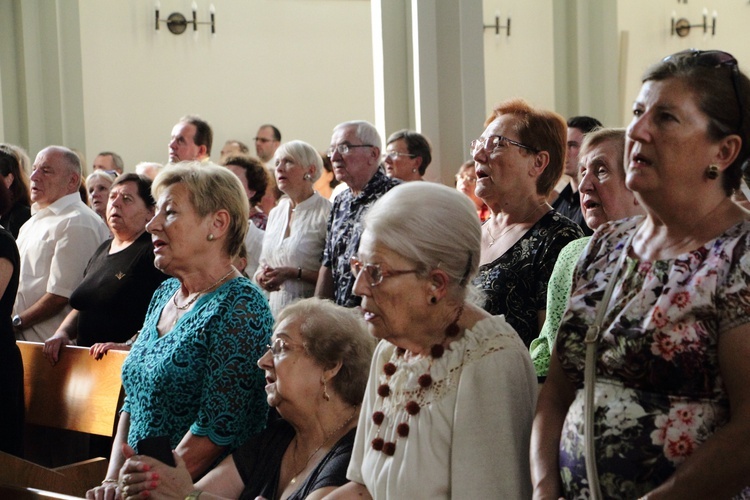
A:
[(593, 334)]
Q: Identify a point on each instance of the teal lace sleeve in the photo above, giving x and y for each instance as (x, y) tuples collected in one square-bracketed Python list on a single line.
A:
[(201, 376)]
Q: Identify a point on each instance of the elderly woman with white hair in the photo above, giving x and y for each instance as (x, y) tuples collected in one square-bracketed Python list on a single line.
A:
[(296, 230), (450, 398)]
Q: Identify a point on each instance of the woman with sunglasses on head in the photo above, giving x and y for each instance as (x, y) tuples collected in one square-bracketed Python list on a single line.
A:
[(519, 159), (316, 369), (407, 156), (671, 403), (450, 386)]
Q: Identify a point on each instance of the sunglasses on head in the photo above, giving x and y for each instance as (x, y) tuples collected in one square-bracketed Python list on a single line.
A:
[(715, 59)]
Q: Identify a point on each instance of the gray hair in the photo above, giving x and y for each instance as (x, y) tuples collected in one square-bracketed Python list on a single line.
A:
[(431, 225), (333, 334), (366, 132), (212, 188), (602, 135), (303, 154), (100, 174), (116, 159)]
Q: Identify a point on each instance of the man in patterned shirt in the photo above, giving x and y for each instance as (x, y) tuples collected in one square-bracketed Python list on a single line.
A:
[(355, 155)]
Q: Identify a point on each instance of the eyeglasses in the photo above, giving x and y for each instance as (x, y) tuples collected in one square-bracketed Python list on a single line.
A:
[(374, 271), (393, 155), (263, 139), (280, 346), (466, 178), (715, 59), (344, 148), (494, 143)]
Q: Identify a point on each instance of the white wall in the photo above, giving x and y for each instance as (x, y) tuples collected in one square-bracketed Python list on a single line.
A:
[(302, 65), (522, 64), (649, 40)]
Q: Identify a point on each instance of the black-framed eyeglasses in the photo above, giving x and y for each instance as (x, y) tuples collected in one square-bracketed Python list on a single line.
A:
[(393, 155), (344, 148), (497, 142), (374, 271), (280, 346), (716, 59)]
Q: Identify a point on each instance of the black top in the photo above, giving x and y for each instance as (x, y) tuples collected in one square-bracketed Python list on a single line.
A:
[(15, 218), (115, 292), (259, 463), (569, 205), (11, 366), (515, 284), (8, 250)]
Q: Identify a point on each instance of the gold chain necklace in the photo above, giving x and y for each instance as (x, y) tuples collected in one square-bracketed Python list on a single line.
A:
[(191, 301), (329, 436), (494, 239)]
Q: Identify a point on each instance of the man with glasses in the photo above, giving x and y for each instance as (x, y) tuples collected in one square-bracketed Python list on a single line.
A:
[(355, 155), (267, 141)]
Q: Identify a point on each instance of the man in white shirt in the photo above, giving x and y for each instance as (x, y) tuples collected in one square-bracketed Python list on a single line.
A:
[(55, 244)]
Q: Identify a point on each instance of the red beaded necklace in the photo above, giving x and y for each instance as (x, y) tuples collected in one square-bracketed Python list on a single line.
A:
[(412, 407)]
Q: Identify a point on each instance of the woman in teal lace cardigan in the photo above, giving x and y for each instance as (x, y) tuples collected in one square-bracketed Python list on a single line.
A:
[(604, 197), (191, 374)]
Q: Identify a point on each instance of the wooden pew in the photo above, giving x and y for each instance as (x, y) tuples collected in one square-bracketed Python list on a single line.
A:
[(79, 394)]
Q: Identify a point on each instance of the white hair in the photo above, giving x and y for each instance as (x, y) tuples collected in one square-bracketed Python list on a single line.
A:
[(303, 154), (432, 225), (366, 132)]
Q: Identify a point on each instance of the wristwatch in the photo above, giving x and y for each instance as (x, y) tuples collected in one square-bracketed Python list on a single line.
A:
[(17, 323)]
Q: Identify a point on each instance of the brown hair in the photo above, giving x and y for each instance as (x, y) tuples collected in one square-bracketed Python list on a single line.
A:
[(714, 89), (541, 129)]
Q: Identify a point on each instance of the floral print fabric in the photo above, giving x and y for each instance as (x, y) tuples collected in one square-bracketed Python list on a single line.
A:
[(344, 232), (515, 284), (659, 392)]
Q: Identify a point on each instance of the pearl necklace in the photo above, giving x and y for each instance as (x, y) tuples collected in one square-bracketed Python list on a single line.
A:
[(511, 226), (328, 437), (412, 407), (195, 297)]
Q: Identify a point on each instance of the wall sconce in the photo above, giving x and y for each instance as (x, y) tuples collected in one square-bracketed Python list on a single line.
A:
[(497, 26), (682, 26), (177, 23)]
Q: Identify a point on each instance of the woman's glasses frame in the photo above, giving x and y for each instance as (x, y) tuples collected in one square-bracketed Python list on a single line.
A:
[(375, 272)]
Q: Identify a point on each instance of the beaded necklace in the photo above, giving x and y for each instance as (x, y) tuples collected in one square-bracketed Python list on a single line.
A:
[(412, 407)]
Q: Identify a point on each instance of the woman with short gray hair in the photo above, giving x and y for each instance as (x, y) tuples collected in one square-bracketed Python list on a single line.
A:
[(449, 384), (296, 230)]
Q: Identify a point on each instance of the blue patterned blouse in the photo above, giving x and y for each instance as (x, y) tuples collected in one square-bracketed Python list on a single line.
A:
[(201, 376)]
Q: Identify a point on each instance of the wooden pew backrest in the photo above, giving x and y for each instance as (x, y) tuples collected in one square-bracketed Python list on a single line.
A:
[(78, 393)]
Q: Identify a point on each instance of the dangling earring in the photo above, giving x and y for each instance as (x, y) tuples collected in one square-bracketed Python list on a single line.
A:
[(210, 237), (325, 390), (712, 171)]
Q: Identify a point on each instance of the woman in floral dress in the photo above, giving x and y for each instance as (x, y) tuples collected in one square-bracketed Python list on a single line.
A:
[(671, 402)]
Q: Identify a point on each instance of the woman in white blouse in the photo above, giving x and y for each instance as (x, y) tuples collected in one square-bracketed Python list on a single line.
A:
[(296, 229)]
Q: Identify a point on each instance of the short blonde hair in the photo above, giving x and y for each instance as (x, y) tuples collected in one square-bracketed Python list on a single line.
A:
[(212, 188), (333, 334)]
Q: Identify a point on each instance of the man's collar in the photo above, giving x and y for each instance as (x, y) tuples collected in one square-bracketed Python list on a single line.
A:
[(58, 205)]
